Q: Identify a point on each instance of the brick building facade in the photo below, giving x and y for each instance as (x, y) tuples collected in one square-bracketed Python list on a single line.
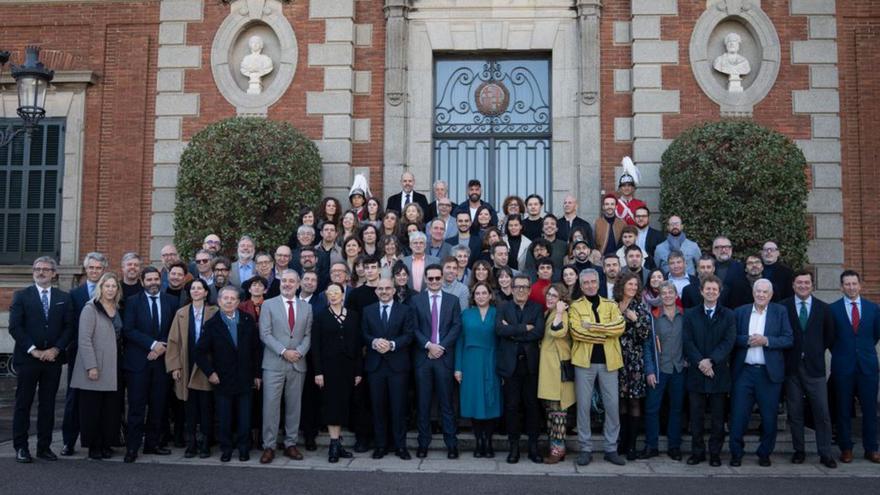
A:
[(136, 79)]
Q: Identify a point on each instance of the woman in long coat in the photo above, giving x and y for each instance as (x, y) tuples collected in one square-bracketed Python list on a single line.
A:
[(480, 391), (190, 384), (556, 390)]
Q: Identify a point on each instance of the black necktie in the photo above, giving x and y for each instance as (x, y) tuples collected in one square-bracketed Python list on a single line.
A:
[(709, 314), (385, 315), (407, 201), (154, 308)]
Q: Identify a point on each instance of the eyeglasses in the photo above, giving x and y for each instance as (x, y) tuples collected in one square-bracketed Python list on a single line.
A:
[(44, 270), (202, 262), (215, 243), (725, 246), (433, 279), (521, 287), (641, 216), (770, 249), (221, 270)]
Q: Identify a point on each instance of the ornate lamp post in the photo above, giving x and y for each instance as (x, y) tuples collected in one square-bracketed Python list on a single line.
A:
[(32, 82)]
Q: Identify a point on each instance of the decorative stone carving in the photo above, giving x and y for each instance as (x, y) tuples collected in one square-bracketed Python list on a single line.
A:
[(254, 55), (732, 63), (256, 65), (589, 12), (750, 47)]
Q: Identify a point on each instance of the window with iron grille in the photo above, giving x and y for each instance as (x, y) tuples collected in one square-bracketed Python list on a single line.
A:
[(31, 172)]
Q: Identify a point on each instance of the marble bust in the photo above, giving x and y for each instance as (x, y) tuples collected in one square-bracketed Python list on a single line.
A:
[(732, 63), (256, 65)]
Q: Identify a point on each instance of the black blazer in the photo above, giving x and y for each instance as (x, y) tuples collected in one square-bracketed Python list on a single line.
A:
[(28, 327), (450, 326), (652, 239), (691, 296), (136, 331), (809, 345), (708, 338), (237, 366), (400, 330), (514, 333), (79, 296), (328, 341), (417, 197), (564, 231)]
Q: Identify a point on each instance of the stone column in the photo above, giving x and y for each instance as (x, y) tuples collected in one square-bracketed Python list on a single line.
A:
[(395, 92), (589, 177)]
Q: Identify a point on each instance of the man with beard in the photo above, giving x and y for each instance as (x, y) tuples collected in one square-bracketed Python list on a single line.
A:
[(264, 264), (580, 252), (692, 295), (741, 287), (464, 238), (244, 268), (727, 269), (648, 237), (169, 257), (635, 263), (177, 279), (475, 191), (608, 226), (776, 271), (221, 278), (131, 275), (676, 240)]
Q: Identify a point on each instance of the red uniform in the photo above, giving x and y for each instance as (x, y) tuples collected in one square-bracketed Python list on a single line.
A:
[(626, 210)]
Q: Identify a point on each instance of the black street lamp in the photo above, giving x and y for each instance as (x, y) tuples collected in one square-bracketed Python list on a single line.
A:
[(32, 82)]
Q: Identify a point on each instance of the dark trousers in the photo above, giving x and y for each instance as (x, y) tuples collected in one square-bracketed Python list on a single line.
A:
[(35, 375), (433, 377), (198, 413), (673, 385), (865, 388), (310, 412), (360, 419), (698, 402), (816, 391), (99, 411), (238, 405), (753, 385), (388, 392), (521, 388), (147, 392), (70, 424)]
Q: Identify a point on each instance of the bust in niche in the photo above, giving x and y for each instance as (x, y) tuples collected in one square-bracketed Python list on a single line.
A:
[(732, 63), (256, 65)]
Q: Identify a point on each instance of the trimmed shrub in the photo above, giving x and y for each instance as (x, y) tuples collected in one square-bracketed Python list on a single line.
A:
[(244, 176), (738, 179)]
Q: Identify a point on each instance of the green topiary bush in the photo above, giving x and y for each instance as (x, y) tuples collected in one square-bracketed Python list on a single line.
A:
[(738, 179), (244, 176)]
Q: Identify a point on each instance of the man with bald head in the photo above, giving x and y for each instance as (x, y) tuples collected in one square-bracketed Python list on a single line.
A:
[(407, 195), (570, 221), (763, 332)]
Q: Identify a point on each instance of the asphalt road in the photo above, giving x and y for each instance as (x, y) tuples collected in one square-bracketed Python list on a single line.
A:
[(74, 477)]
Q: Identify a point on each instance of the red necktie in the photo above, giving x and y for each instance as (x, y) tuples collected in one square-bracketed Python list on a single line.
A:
[(855, 318), (291, 320)]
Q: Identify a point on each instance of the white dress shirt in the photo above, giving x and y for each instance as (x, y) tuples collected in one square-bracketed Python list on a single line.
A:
[(757, 322)]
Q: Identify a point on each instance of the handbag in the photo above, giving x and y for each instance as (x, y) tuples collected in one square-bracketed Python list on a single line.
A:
[(567, 370)]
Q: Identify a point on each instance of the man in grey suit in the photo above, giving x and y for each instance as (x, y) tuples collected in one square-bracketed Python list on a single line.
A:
[(244, 267), (285, 329), (418, 261)]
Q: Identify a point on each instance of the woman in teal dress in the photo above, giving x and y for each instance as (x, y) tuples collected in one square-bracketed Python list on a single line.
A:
[(480, 390)]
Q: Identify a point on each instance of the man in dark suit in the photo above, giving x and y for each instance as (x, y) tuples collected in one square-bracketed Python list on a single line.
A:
[(854, 368), (387, 328), (648, 237), (465, 238), (438, 325), (229, 353), (435, 208), (407, 195), (520, 327), (805, 368), (474, 201), (763, 332), (41, 323), (147, 320), (708, 334), (94, 264), (692, 295)]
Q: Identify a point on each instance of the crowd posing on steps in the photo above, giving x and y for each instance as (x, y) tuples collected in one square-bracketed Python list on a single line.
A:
[(383, 318)]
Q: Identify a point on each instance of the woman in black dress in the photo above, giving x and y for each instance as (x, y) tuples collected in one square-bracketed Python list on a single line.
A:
[(336, 353)]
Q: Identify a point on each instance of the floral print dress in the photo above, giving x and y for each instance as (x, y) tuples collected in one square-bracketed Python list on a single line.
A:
[(631, 378)]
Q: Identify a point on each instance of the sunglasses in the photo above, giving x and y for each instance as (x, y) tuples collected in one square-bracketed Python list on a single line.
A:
[(433, 279), (202, 262)]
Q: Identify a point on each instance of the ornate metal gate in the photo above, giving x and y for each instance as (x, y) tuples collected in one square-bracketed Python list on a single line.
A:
[(492, 122)]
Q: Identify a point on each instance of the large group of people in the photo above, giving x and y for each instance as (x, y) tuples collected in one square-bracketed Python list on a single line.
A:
[(440, 316)]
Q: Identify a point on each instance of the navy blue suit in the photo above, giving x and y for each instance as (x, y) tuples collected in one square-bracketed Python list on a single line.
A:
[(758, 383), (147, 381), (435, 375), (854, 370), (70, 424), (388, 373), (29, 327), (475, 244)]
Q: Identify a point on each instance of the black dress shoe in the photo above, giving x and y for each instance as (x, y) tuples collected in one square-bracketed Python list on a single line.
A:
[(361, 446), (157, 451), (67, 451), (23, 456), (764, 461), (798, 457), (715, 460), (422, 452), (379, 453), (674, 454), (226, 457), (130, 457), (403, 454), (695, 459), (828, 462), (736, 461), (46, 455), (244, 456), (513, 456), (311, 444), (106, 453), (95, 454), (452, 453), (648, 453)]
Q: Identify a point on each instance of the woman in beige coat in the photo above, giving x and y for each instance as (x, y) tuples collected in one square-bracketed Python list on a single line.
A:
[(554, 388), (95, 371), (190, 384)]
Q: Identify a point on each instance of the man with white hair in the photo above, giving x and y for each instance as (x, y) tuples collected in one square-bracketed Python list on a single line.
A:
[(763, 332), (418, 260), (441, 191), (244, 268), (407, 195)]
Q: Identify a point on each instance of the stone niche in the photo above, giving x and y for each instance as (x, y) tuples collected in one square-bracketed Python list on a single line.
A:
[(759, 44), (247, 18)]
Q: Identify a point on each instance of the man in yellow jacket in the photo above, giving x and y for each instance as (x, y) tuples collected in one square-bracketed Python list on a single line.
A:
[(596, 325)]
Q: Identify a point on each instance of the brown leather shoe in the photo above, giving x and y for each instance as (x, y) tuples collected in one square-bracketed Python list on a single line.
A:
[(846, 456), (293, 453), (873, 457), (268, 455)]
